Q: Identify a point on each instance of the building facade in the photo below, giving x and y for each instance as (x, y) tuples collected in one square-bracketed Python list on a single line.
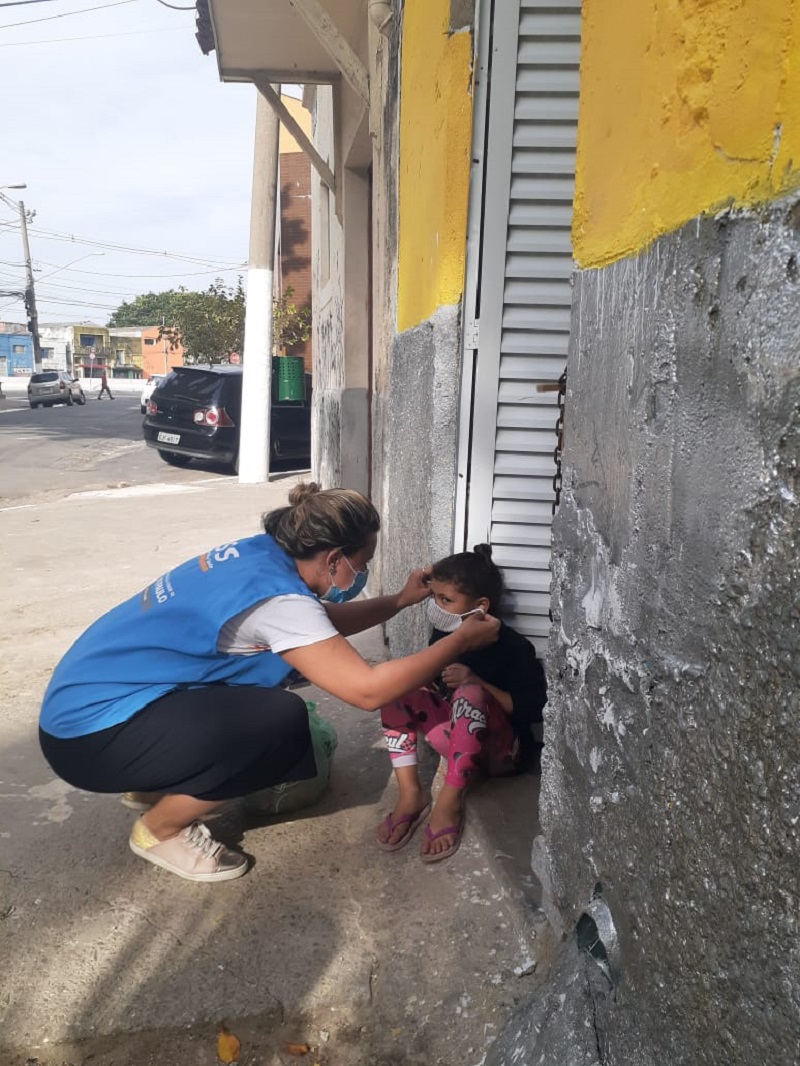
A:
[(16, 350), (75, 348), (158, 357), (670, 786), (126, 351), (590, 361)]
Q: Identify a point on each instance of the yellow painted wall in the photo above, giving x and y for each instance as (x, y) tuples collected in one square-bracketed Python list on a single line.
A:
[(685, 106), (433, 179)]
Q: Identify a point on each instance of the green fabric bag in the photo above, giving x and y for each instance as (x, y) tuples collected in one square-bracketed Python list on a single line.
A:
[(294, 795)]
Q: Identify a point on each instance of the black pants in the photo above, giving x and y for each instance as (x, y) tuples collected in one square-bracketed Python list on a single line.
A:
[(212, 743)]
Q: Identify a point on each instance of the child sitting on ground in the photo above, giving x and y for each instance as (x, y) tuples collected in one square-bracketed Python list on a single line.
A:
[(478, 716)]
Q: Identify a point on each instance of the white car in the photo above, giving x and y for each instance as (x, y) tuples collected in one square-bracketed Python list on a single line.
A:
[(151, 384)]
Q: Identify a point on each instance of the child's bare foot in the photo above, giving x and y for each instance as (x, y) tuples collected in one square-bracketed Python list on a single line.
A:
[(447, 814), (396, 829)]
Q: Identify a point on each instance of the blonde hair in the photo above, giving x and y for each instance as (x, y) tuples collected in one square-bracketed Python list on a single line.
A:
[(320, 519)]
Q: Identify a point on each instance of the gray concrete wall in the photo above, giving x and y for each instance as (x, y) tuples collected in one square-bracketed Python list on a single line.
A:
[(341, 409), (417, 413), (671, 771), (326, 460)]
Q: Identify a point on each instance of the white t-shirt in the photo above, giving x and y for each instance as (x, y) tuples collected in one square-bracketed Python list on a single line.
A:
[(277, 624)]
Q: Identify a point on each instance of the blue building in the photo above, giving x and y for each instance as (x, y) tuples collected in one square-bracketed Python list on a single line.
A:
[(16, 354)]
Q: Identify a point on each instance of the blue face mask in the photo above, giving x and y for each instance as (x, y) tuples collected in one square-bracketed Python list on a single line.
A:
[(337, 595)]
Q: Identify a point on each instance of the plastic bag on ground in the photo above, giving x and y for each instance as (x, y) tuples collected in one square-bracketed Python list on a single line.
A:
[(295, 795)]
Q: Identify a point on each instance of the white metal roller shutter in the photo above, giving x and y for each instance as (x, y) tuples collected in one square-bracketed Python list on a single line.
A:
[(523, 301)]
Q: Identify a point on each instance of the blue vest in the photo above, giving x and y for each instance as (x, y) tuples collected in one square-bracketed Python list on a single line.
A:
[(165, 638)]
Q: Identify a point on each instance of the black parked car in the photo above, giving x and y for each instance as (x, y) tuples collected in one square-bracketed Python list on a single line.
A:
[(195, 413)]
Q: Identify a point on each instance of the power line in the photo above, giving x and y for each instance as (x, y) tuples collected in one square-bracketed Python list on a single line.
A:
[(21, 3), (175, 6), (50, 235), (79, 288), (77, 303), (93, 37), (64, 14), (182, 274), (109, 246)]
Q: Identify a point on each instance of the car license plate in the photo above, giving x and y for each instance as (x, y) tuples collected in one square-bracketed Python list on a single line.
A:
[(169, 438)]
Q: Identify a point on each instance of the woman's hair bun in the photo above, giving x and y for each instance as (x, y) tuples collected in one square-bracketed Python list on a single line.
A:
[(302, 492), (484, 550), (316, 519)]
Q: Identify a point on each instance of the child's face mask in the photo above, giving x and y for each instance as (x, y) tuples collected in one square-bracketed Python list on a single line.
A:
[(443, 620)]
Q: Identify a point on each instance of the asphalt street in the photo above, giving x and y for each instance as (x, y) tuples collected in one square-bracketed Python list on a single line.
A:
[(58, 450)]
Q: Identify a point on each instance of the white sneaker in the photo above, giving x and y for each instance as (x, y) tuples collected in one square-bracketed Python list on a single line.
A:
[(193, 854)]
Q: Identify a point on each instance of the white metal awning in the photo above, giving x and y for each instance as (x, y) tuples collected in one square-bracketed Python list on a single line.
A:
[(286, 41)]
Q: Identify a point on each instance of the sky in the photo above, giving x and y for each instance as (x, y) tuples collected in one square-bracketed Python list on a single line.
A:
[(124, 135)]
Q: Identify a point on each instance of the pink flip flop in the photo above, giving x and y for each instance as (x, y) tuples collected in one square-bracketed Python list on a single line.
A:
[(413, 821), (450, 830)]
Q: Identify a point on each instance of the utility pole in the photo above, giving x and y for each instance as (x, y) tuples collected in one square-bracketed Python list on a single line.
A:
[(30, 294), (254, 438)]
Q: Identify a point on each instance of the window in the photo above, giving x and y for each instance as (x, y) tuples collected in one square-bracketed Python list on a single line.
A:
[(48, 353), (149, 340), (17, 349), (89, 340)]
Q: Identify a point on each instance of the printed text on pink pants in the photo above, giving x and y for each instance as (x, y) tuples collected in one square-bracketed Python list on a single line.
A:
[(471, 730)]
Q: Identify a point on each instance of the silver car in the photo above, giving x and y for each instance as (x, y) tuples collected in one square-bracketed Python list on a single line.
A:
[(54, 386)]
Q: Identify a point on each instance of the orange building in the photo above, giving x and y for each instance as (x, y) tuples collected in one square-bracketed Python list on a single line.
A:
[(157, 355)]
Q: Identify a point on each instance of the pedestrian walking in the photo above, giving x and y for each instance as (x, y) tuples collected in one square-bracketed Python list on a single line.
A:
[(104, 386), (177, 691)]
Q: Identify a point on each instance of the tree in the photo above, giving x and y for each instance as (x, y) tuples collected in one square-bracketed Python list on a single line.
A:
[(209, 324), (149, 309), (291, 325)]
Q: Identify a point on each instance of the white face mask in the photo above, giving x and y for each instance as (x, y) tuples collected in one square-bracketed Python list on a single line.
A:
[(443, 620)]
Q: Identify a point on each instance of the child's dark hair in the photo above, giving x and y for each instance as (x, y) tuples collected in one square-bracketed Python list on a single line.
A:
[(473, 573)]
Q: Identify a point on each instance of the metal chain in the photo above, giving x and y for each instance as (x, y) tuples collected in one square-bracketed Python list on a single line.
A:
[(557, 478)]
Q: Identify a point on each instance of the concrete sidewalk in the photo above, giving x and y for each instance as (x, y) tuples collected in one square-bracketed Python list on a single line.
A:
[(366, 956)]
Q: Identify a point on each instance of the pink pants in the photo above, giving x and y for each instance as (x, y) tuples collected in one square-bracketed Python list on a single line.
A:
[(471, 730)]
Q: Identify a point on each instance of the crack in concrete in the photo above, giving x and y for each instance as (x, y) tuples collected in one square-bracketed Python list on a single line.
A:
[(601, 1056)]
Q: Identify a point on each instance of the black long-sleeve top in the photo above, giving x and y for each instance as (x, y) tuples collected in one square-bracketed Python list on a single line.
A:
[(511, 665)]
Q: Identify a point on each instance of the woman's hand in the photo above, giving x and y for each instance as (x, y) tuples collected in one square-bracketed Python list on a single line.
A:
[(457, 674), (415, 590), (478, 631)]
